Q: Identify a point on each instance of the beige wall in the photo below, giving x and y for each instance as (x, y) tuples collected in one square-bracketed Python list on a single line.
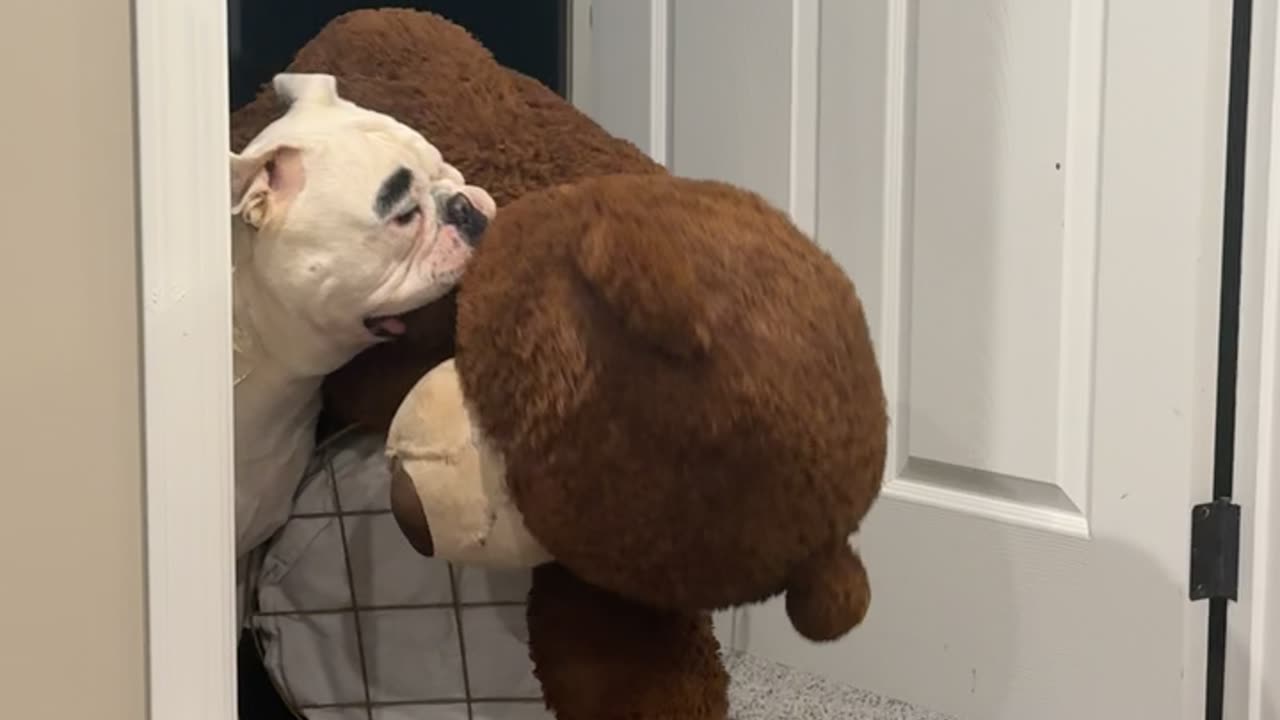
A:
[(72, 633)]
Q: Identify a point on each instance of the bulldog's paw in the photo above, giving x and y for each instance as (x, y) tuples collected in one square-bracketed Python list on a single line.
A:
[(448, 487)]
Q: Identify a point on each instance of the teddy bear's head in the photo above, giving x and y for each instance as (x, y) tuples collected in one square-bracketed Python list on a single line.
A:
[(662, 385)]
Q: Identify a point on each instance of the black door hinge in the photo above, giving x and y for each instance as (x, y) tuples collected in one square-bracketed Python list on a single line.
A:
[(1215, 550)]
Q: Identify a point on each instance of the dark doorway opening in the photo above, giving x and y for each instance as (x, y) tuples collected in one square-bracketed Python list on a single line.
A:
[(530, 36)]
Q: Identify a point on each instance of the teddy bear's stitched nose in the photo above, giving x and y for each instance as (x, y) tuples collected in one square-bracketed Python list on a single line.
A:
[(406, 507)]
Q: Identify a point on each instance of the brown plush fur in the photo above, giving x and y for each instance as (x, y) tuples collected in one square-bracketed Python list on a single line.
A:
[(684, 390), (601, 657), (682, 383)]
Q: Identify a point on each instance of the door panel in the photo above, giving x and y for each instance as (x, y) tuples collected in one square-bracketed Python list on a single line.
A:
[(1028, 196), (986, 286), (744, 97)]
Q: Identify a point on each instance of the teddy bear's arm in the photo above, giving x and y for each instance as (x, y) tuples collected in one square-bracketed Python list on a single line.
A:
[(600, 657)]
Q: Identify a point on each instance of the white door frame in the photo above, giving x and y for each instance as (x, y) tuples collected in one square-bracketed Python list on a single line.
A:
[(579, 33), (182, 140), (185, 288), (1253, 641)]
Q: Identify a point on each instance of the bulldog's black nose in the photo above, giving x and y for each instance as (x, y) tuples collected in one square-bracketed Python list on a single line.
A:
[(459, 212)]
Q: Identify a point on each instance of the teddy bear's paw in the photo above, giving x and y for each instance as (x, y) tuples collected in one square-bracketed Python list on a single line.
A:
[(829, 594)]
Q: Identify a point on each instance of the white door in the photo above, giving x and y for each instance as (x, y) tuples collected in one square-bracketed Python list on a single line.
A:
[(1028, 195)]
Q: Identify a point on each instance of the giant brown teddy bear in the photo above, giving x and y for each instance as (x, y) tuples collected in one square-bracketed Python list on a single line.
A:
[(673, 387)]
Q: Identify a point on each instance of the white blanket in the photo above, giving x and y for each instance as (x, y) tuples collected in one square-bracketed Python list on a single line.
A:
[(439, 643)]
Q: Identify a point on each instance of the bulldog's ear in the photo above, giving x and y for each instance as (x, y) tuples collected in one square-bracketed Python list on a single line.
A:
[(264, 183), (295, 88)]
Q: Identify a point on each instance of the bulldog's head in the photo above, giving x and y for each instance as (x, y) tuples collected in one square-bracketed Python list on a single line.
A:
[(349, 218)]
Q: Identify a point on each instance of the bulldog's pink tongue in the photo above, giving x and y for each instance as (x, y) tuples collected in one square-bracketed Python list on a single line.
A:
[(389, 326)]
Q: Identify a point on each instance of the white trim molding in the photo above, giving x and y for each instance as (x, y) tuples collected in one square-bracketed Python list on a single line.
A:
[(579, 28), (1253, 632), (659, 146), (1264, 647), (183, 141)]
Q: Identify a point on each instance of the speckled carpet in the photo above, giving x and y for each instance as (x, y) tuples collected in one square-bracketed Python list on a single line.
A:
[(762, 690)]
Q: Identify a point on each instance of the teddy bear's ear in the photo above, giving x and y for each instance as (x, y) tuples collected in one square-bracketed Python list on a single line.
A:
[(828, 594), (651, 286)]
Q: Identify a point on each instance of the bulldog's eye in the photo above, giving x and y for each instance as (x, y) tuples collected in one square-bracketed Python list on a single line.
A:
[(408, 216)]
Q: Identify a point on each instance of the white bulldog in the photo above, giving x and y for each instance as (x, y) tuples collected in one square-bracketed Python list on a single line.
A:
[(343, 220)]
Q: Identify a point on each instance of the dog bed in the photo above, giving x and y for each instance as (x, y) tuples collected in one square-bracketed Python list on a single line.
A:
[(351, 623)]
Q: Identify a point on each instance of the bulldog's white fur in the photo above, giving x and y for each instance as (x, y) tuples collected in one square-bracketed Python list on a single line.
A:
[(343, 219)]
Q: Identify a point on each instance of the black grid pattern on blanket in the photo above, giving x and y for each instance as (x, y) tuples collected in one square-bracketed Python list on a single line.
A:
[(353, 624)]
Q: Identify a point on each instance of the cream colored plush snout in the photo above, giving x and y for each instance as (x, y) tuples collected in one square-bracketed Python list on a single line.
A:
[(448, 489)]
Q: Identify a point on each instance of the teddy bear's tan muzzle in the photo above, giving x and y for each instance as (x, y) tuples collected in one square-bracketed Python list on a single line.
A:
[(449, 491)]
